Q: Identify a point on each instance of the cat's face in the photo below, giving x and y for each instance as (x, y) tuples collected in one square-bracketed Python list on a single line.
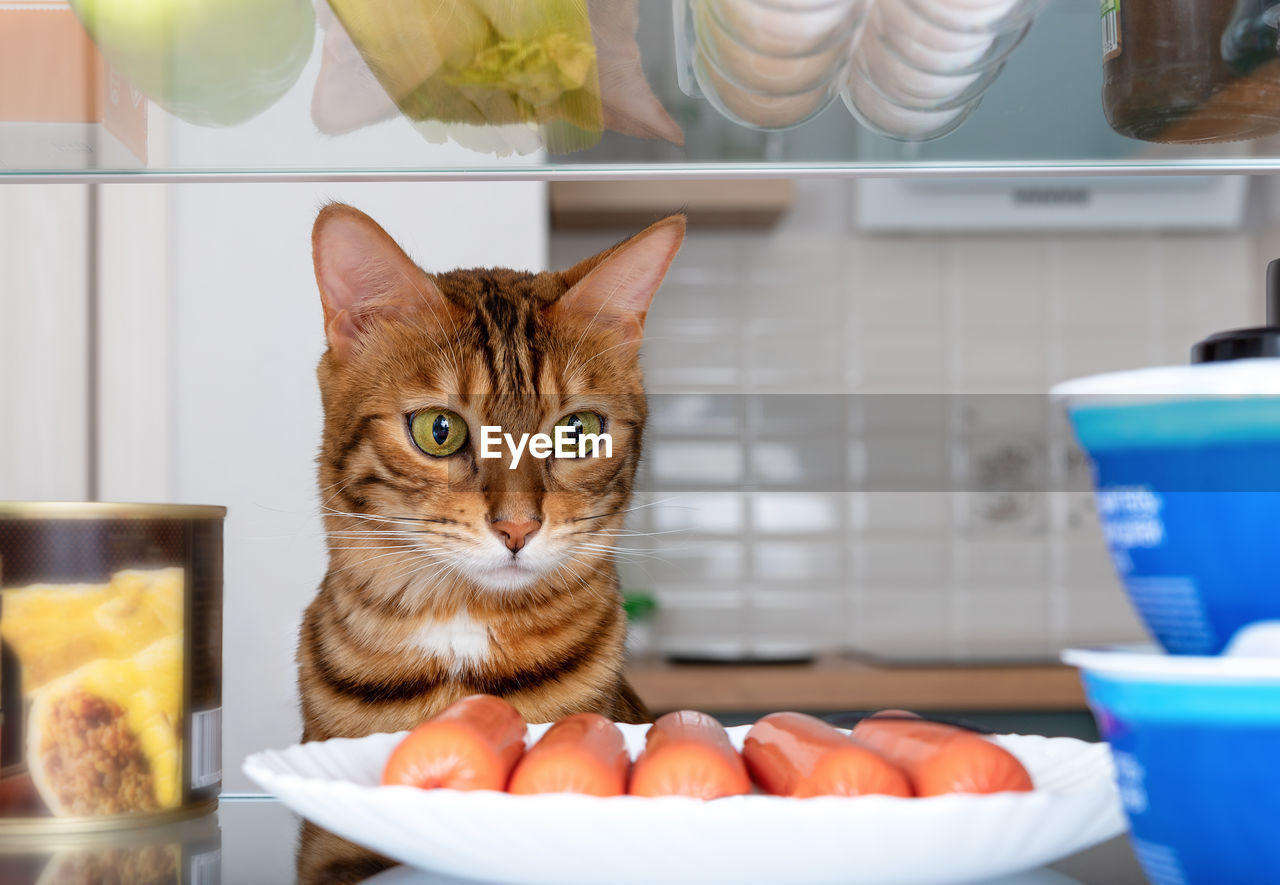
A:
[(431, 383)]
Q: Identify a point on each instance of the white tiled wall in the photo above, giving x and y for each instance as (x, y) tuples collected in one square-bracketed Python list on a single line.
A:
[(744, 567)]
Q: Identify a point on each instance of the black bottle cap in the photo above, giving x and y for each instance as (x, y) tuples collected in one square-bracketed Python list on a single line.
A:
[(1246, 344)]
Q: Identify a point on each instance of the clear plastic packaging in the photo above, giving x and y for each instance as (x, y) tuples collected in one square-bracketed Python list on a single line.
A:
[(788, 27), (928, 46), (884, 117), (759, 110), (911, 70), (900, 82), (762, 71), (768, 64), (920, 67), (973, 17)]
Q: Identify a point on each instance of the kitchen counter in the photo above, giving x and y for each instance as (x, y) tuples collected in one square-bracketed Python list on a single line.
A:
[(840, 683), (251, 841)]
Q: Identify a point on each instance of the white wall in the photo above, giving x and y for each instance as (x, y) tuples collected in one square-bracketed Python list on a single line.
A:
[(810, 307), (209, 330), (245, 337), (218, 354), (44, 377), (246, 413)]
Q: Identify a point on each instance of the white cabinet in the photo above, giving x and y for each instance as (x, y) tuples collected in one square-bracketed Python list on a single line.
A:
[(46, 426), (183, 370)]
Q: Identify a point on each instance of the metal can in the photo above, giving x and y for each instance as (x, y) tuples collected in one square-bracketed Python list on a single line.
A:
[(110, 664)]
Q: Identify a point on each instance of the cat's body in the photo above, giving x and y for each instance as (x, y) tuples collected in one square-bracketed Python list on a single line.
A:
[(451, 574), (454, 574)]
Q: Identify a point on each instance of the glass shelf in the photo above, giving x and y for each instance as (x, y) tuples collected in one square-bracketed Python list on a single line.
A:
[(1041, 116), (253, 839)]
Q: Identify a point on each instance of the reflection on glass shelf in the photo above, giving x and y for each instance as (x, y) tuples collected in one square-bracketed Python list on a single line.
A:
[(570, 88), (155, 853)]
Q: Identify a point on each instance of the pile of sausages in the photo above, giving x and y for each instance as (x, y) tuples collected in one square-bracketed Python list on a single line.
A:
[(478, 743)]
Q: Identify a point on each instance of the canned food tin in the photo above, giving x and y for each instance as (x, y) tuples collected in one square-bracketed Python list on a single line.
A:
[(110, 663)]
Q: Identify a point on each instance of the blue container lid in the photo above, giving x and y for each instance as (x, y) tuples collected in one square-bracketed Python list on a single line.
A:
[(1227, 397), (1142, 683), (1211, 403), (1260, 377)]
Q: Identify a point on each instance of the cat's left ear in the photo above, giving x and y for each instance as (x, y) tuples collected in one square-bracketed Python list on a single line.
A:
[(615, 288)]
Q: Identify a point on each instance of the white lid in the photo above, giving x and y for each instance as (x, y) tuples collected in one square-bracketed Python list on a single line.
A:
[(1260, 377), (1148, 663)]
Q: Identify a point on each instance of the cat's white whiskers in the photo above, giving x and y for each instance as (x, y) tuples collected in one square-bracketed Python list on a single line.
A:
[(596, 545), (370, 546), (630, 533), (610, 513), (409, 535), (615, 555), (586, 585), (405, 526), (427, 576), (374, 540), (567, 566), (629, 344), (418, 565), (406, 550), (655, 504), (334, 487), (610, 545), (369, 517), (562, 567), (406, 544)]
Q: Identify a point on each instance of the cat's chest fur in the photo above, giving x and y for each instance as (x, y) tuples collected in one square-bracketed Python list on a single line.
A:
[(455, 642)]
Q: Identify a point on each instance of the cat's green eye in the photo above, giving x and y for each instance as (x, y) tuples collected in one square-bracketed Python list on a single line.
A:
[(438, 432), (583, 423)]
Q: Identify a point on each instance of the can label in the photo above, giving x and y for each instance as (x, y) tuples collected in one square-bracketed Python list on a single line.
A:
[(1111, 42), (110, 662)]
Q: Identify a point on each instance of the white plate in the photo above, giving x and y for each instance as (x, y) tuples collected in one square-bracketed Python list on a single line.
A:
[(410, 876), (565, 839)]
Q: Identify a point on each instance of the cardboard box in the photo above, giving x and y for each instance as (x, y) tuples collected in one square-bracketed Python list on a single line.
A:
[(62, 106)]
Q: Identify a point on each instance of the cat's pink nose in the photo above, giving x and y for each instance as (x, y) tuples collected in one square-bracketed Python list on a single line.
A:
[(515, 534)]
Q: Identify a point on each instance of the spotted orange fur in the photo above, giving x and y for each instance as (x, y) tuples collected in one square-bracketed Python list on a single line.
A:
[(456, 574)]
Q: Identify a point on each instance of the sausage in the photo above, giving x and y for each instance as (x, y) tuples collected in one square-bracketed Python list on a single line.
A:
[(941, 758), (792, 754), (470, 745), (582, 753), (687, 753)]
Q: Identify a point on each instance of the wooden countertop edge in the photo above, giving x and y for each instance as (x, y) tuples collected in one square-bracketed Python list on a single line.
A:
[(848, 685)]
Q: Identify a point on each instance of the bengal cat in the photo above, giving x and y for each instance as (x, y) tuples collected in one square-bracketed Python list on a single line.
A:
[(451, 573)]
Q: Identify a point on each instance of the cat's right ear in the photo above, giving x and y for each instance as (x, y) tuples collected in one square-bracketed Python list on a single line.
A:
[(363, 275)]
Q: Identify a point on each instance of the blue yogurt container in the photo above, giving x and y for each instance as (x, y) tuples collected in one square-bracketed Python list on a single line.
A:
[(1195, 742), (1186, 469)]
